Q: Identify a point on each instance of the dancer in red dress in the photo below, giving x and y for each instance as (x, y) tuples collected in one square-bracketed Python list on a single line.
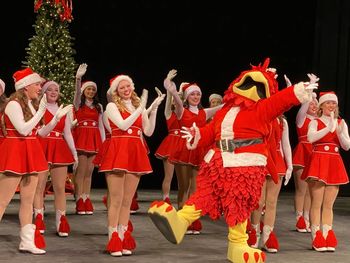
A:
[(230, 179), (301, 156), (126, 158), (22, 157), (326, 170), (281, 157), (169, 144), (88, 137), (187, 161), (57, 142)]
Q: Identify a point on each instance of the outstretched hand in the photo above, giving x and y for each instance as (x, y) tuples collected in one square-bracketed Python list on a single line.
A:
[(63, 111), (81, 70), (288, 175), (288, 82), (313, 78), (43, 104), (188, 133), (144, 98)]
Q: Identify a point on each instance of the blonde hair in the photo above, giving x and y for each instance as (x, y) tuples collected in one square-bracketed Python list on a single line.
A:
[(135, 101), (320, 111)]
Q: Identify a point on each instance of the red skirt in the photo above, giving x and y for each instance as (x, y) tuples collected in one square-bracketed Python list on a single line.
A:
[(87, 139), (22, 156), (301, 154), (101, 152), (326, 167), (128, 154), (281, 167), (56, 151), (231, 191), (167, 146)]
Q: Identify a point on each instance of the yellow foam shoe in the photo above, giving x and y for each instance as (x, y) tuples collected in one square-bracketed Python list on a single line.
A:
[(172, 224), (238, 249)]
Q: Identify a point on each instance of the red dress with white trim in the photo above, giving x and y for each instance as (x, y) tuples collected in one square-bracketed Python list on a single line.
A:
[(87, 136), (54, 145), (101, 152), (279, 161), (326, 163), (127, 150), (170, 143), (302, 152), (182, 155), (21, 154)]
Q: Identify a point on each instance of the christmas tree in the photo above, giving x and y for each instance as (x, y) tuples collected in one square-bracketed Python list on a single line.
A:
[(50, 52)]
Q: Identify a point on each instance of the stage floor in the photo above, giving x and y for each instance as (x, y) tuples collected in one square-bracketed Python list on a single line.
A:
[(88, 237)]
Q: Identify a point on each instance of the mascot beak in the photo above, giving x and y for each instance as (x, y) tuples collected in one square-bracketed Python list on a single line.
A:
[(253, 85)]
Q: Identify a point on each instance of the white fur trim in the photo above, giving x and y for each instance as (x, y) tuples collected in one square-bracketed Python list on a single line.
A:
[(231, 159), (49, 83), (215, 96), (301, 93), (191, 89), (116, 81), (326, 97), (87, 84), (27, 80)]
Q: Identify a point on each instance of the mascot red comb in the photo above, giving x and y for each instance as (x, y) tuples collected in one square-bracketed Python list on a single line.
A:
[(231, 176)]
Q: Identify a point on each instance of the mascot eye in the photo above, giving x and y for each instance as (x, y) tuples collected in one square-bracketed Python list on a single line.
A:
[(250, 83)]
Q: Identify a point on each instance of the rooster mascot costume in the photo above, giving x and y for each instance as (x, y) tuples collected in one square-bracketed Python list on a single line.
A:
[(232, 174)]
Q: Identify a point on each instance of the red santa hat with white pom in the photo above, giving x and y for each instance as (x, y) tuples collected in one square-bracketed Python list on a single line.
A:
[(326, 96), (189, 88), (25, 77), (86, 84), (114, 82)]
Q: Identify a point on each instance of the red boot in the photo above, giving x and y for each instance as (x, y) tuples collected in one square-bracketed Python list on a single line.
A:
[(301, 225), (134, 205), (319, 243), (80, 207), (39, 223)]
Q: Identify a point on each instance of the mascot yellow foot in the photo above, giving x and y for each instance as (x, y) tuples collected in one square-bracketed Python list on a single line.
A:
[(171, 223), (238, 249)]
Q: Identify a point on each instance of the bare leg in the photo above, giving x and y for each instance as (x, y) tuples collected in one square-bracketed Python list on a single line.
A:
[(317, 190), (58, 177), (193, 177), (330, 194), (183, 180), (79, 175), (8, 186), (28, 189), (272, 192), (301, 188), (131, 182), (115, 184), (256, 214), (88, 174), (168, 176), (40, 189)]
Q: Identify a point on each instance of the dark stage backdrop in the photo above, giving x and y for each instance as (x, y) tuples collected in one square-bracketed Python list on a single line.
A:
[(209, 43)]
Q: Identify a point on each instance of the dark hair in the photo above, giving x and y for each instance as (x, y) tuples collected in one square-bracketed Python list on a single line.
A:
[(95, 102)]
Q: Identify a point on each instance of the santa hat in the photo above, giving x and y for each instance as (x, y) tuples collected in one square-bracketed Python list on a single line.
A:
[(48, 84), (86, 84), (328, 95), (190, 88), (2, 85), (25, 77), (114, 82), (215, 96)]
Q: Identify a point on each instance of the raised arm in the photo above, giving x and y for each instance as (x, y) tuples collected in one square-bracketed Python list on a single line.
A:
[(170, 86), (149, 119), (287, 151), (209, 112), (77, 94), (47, 128)]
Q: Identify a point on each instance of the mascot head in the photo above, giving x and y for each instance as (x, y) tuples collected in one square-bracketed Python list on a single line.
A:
[(252, 85)]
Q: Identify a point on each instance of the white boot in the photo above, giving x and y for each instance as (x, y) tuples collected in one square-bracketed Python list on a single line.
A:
[(111, 230), (27, 234)]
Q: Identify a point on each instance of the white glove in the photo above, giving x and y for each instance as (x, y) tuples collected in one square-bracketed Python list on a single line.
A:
[(288, 175), (158, 100), (42, 104), (144, 98), (81, 70), (313, 78), (288, 82), (188, 133), (172, 73), (63, 111), (332, 125)]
